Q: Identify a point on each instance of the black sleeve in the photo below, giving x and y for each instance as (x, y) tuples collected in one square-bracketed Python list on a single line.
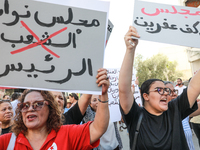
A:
[(183, 104), (132, 115), (131, 120), (73, 115)]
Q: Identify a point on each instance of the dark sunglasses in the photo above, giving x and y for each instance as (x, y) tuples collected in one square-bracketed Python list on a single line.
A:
[(161, 90), (37, 105)]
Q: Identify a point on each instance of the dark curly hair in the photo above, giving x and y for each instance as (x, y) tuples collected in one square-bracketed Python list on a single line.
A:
[(54, 120)]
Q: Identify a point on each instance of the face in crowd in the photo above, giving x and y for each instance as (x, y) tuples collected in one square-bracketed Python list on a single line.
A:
[(154, 96), (179, 82), (73, 97), (94, 102), (35, 111), (68, 103), (59, 97), (5, 97), (6, 112), (174, 93)]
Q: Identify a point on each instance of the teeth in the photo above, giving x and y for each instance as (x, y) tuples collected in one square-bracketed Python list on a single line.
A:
[(30, 116), (163, 99)]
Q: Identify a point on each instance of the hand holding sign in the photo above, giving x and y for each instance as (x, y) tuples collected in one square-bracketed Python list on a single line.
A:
[(102, 80), (129, 41)]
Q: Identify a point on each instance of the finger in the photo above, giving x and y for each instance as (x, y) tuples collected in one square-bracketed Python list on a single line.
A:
[(104, 89), (101, 78), (101, 72), (104, 82), (132, 32)]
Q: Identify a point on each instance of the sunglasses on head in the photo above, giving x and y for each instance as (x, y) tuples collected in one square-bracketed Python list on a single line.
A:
[(37, 105)]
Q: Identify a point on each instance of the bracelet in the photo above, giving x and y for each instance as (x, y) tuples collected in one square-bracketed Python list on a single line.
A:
[(102, 101)]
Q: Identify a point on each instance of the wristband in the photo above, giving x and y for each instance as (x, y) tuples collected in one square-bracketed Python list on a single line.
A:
[(102, 101)]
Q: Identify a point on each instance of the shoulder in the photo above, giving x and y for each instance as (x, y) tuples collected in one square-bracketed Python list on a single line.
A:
[(184, 86), (176, 87), (14, 102), (134, 108), (73, 128), (4, 140)]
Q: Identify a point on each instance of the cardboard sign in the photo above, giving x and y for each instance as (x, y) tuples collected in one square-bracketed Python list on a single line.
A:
[(113, 93), (169, 24), (51, 46)]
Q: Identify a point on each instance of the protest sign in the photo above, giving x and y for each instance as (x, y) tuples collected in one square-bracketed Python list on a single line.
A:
[(113, 93), (109, 30), (51, 46), (170, 24)]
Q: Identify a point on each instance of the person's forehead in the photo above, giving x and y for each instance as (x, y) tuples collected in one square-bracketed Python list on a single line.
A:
[(178, 80), (170, 86), (5, 104), (95, 96), (57, 93), (158, 84), (33, 96)]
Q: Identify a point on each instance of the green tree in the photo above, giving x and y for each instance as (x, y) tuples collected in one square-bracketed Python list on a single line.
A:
[(158, 66)]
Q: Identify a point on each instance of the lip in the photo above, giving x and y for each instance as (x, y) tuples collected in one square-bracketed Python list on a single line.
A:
[(8, 116), (31, 117), (164, 101)]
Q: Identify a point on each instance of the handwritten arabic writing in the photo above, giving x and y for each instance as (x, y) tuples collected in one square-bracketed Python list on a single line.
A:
[(167, 24), (59, 20), (174, 11), (19, 67), (47, 38), (35, 34), (113, 91)]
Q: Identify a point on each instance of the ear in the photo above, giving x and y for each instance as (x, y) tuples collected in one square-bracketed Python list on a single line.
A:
[(145, 96)]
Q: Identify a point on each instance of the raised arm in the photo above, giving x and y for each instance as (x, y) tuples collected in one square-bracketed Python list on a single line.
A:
[(197, 112), (193, 90), (83, 102), (101, 120), (125, 75)]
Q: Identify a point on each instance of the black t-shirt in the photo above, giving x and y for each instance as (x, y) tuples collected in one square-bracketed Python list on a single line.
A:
[(6, 130), (73, 115), (164, 132)]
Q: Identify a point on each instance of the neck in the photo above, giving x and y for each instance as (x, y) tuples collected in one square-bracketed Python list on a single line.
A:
[(152, 111), (181, 85), (36, 134), (6, 124), (37, 137)]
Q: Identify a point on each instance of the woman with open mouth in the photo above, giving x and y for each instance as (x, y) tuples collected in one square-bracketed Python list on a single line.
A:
[(38, 123), (158, 124)]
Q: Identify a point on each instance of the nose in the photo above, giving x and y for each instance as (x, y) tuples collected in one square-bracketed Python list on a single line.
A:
[(58, 100), (166, 92), (31, 108), (8, 110)]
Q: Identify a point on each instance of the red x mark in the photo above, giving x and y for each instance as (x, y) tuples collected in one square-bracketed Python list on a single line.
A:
[(40, 42)]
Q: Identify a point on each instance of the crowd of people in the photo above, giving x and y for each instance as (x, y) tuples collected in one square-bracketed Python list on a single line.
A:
[(45, 120)]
